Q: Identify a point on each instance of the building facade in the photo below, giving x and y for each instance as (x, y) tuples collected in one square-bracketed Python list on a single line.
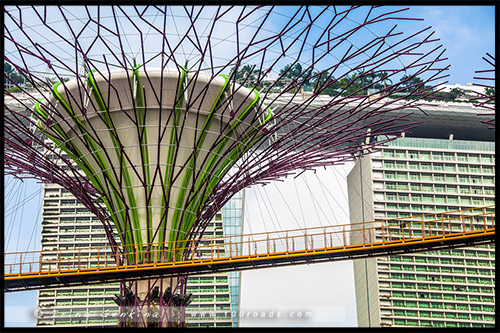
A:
[(414, 176), (68, 225)]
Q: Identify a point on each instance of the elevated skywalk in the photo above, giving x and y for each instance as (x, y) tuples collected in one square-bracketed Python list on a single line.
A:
[(49, 269)]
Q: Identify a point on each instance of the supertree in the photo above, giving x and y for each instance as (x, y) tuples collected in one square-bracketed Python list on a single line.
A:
[(487, 100), (154, 117)]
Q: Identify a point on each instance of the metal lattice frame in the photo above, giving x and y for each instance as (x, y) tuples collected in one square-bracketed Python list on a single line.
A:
[(487, 101), (216, 68)]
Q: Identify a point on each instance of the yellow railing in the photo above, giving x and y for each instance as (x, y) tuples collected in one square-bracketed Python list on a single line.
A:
[(308, 240)]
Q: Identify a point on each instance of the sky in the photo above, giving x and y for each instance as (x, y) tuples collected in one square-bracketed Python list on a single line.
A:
[(326, 290)]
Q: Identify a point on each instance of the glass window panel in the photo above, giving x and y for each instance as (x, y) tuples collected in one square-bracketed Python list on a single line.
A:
[(425, 156), (488, 180), (463, 179), (439, 188), (402, 175), (402, 186), (449, 156), (439, 178), (438, 167), (413, 154), (451, 189), (427, 177), (390, 186), (401, 165), (473, 158), (390, 196), (425, 166), (450, 178), (426, 188), (401, 154), (389, 153), (475, 179), (449, 167), (474, 169)]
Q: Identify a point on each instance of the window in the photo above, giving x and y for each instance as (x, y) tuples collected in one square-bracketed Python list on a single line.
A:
[(403, 197), (486, 158), (474, 169), (388, 153), (450, 178), (428, 198), (475, 180), (390, 175), (437, 156), (402, 186), (414, 166), (413, 154), (487, 169), (440, 199), (449, 167), (425, 166), (452, 200), (439, 188), (489, 191), (477, 201), (439, 178), (388, 164), (449, 157), (414, 176), (416, 198), (390, 196), (451, 189), (488, 180), (402, 175), (438, 167), (465, 201), (401, 165), (401, 154), (390, 186), (473, 158), (462, 157), (465, 189), (426, 177), (463, 168), (398, 303)]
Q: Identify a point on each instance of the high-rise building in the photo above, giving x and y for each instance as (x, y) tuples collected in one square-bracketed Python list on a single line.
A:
[(445, 164), (68, 225)]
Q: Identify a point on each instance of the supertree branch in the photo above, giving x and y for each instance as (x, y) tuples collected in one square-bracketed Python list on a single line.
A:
[(487, 99), (262, 93)]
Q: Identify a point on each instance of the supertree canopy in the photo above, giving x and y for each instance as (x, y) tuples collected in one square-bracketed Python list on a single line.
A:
[(154, 117), (487, 100)]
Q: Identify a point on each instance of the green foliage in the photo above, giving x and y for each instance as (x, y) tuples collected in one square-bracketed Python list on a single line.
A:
[(490, 91), (12, 76)]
